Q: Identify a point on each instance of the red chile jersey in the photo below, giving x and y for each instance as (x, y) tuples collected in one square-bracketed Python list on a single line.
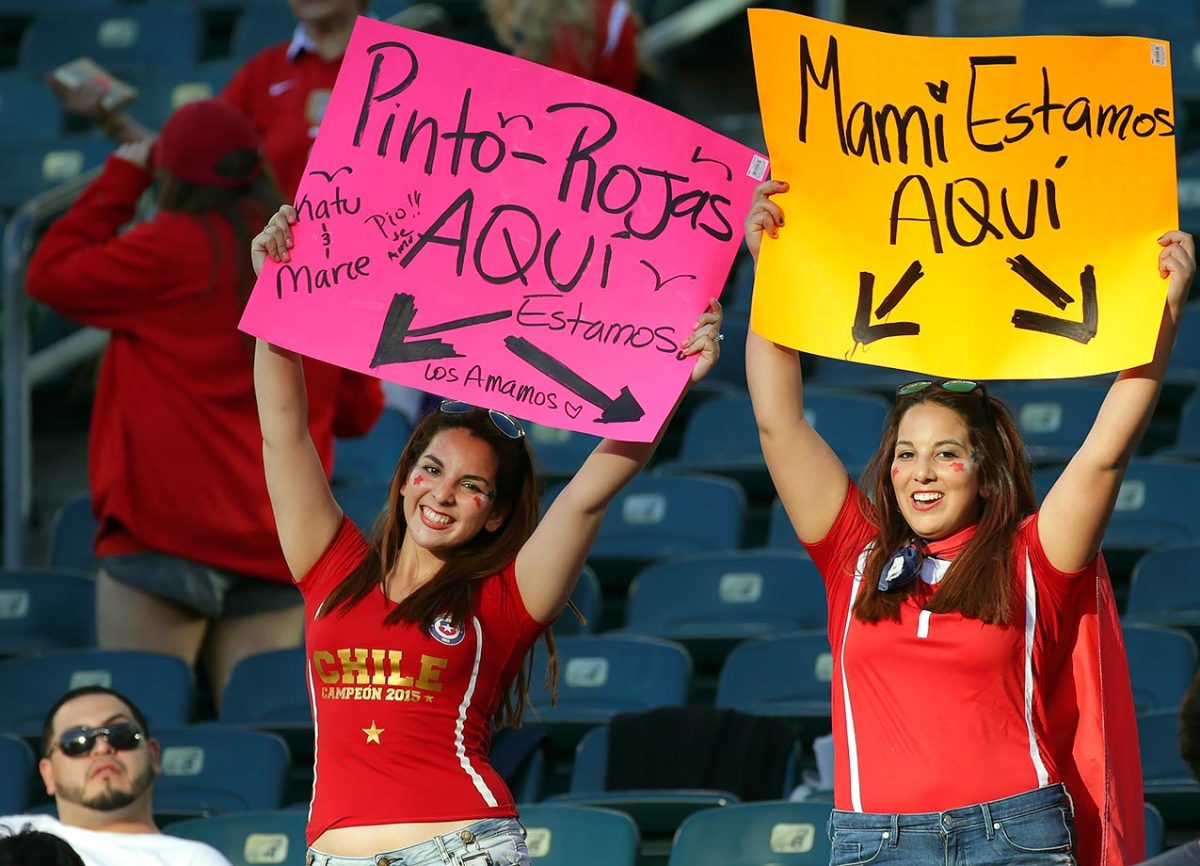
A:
[(402, 714), (939, 711)]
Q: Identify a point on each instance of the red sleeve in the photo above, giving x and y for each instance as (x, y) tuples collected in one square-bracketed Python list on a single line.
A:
[(359, 405), (341, 557), (85, 270), (511, 606), (837, 553)]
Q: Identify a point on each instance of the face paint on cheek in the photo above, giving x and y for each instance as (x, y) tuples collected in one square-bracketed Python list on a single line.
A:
[(895, 471), (958, 467), (418, 480), (478, 501)]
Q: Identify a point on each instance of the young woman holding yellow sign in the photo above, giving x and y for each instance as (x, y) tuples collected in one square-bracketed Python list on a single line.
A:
[(981, 700)]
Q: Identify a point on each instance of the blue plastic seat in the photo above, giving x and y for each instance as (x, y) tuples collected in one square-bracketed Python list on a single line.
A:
[(1054, 419), (362, 503), (659, 516), (1155, 828), (268, 690), (602, 675), (127, 41), (1184, 365), (43, 609), (1187, 437), (586, 597), (215, 769), (1165, 588), (172, 87), (260, 26), (71, 533), (782, 834), (31, 169), (1167, 780), (732, 369), (780, 533), (372, 459), (1162, 663), (160, 685), (1155, 506), (711, 603), (834, 373), (781, 676), (16, 774), (559, 453), (29, 112), (250, 838), (557, 835)]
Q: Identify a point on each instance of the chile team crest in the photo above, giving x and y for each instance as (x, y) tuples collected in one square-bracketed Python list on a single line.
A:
[(445, 631)]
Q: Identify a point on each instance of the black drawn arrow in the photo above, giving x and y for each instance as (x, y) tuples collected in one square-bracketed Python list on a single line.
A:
[(624, 408), (864, 331), (1080, 332), (394, 346)]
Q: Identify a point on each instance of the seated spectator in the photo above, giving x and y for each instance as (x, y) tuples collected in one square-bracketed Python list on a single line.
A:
[(99, 764), (594, 39), (1189, 747), (190, 563), (34, 848)]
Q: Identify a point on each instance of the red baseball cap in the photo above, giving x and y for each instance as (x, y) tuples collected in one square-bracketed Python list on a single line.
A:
[(198, 135)]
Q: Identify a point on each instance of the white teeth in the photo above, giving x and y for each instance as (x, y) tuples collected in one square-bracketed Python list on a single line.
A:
[(434, 517), (927, 497)]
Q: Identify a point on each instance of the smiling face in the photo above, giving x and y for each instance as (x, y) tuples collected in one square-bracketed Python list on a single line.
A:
[(449, 495), (104, 780), (935, 472)]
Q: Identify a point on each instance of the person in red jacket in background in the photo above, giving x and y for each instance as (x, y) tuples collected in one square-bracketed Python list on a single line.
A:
[(283, 90), (190, 562), (594, 39)]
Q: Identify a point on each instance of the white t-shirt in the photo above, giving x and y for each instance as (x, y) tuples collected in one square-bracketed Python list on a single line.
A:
[(98, 848)]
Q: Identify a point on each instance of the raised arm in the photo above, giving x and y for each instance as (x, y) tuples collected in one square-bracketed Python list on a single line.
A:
[(549, 563), (1076, 511), (809, 477), (306, 515)]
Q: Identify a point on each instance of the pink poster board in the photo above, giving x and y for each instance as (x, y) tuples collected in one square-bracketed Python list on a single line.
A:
[(491, 230)]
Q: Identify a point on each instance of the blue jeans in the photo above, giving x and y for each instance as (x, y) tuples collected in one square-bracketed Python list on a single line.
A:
[(490, 842), (1036, 828)]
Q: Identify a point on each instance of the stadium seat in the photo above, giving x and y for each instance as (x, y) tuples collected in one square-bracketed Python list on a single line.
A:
[(1155, 506), (362, 503), (732, 369), (711, 603), (836, 373), (587, 598), (780, 534), (127, 41), (659, 516), (1167, 779), (71, 534), (251, 838), (1185, 357), (1187, 437), (215, 769), (602, 675), (1054, 419), (1165, 588), (172, 87), (29, 112), (556, 835), (558, 453), (1162, 663), (160, 685), (43, 609), (31, 169), (782, 834), (16, 774), (781, 676), (1150, 18), (372, 459), (1154, 831), (268, 691), (260, 26)]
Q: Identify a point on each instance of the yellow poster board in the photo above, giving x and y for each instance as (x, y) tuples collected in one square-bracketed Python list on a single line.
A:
[(984, 208)]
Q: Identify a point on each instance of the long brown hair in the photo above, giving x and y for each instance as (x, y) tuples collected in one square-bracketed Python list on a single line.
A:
[(449, 591), (245, 207), (978, 583)]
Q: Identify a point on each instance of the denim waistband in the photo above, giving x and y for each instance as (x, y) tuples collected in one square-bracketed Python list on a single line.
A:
[(963, 818), (451, 843)]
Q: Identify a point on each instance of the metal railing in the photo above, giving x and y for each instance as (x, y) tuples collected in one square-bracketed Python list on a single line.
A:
[(23, 371)]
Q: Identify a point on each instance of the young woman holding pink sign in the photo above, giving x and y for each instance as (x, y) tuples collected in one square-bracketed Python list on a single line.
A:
[(981, 698), (417, 638)]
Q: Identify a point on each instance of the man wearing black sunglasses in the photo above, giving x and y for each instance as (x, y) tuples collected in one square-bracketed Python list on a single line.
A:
[(99, 763)]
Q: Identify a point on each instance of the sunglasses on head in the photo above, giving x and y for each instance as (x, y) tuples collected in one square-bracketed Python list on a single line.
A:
[(506, 424), (80, 740), (954, 386)]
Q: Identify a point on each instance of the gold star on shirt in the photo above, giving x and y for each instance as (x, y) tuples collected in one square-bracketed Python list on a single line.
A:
[(373, 733), (429, 699)]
